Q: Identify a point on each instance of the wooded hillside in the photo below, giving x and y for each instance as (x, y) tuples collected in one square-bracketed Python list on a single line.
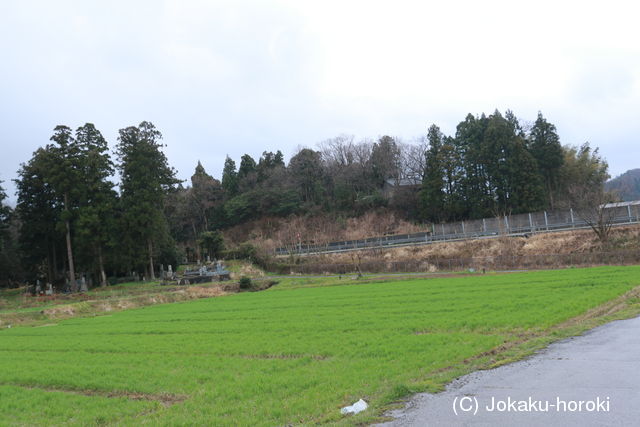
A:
[(627, 185), (70, 216)]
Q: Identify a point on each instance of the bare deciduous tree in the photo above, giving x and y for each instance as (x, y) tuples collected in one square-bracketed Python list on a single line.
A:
[(413, 159), (592, 205), (338, 150)]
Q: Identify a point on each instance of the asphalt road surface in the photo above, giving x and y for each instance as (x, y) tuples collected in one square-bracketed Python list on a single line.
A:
[(600, 368)]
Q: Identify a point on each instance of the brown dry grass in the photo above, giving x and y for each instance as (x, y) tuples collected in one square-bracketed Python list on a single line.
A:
[(204, 292), (569, 242), (270, 233), (246, 269)]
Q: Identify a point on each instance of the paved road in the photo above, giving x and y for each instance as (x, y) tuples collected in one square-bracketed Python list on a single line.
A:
[(603, 364)]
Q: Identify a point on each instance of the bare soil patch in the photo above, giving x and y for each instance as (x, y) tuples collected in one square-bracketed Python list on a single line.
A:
[(166, 399)]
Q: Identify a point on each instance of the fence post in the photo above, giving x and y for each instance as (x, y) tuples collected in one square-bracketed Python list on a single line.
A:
[(629, 212), (484, 225), (463, 227), (506, 223), (572, 220), (546, 221), (530, 222)]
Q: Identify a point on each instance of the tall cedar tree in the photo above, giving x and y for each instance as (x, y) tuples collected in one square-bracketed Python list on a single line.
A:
[(38, 211), (64, 175), (526, 190), (145, 179), (452, 168), (247, 166), (513, 177), (267, 163), (432, 196), (5, 212), (98, 201), (544, 145), (474, 189), (205, 193), (204, 196), (229, 178), (6, 246), (306, 172), (498, 148)]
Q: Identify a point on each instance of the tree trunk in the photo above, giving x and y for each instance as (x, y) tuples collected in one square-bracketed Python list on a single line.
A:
[(72, 272), (152, 275), (49, 263), (552, 204), (103, 276), (195, 239), (206, 221), (55, 262)]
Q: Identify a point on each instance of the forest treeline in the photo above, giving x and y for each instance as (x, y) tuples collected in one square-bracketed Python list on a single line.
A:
[(72, 219)]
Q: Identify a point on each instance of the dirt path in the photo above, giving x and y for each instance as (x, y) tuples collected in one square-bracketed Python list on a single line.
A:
[(600, 368)]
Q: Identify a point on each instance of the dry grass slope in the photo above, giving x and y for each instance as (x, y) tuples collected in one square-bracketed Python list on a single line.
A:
[(570, 242)]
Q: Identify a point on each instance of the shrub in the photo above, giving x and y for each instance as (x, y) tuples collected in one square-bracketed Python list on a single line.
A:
[(245, 283)]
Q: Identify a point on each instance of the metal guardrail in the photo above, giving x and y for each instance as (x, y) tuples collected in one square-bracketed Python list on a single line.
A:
[(515, 225)]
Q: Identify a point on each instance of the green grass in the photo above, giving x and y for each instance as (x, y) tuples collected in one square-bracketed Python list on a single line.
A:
[(293, 354)]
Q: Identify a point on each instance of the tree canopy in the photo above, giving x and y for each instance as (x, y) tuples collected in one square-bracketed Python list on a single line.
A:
[(72, 220)]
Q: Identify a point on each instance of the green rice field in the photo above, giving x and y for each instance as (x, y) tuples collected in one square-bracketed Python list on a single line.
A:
[(294, 354)]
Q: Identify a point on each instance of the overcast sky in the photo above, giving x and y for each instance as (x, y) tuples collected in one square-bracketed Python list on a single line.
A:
[(235, 77)]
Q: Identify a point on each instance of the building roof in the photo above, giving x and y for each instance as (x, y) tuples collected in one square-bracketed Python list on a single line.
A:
[(403, 182), (622, 204)]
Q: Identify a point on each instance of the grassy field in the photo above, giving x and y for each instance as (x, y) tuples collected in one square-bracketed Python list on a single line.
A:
[(293, 354)]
